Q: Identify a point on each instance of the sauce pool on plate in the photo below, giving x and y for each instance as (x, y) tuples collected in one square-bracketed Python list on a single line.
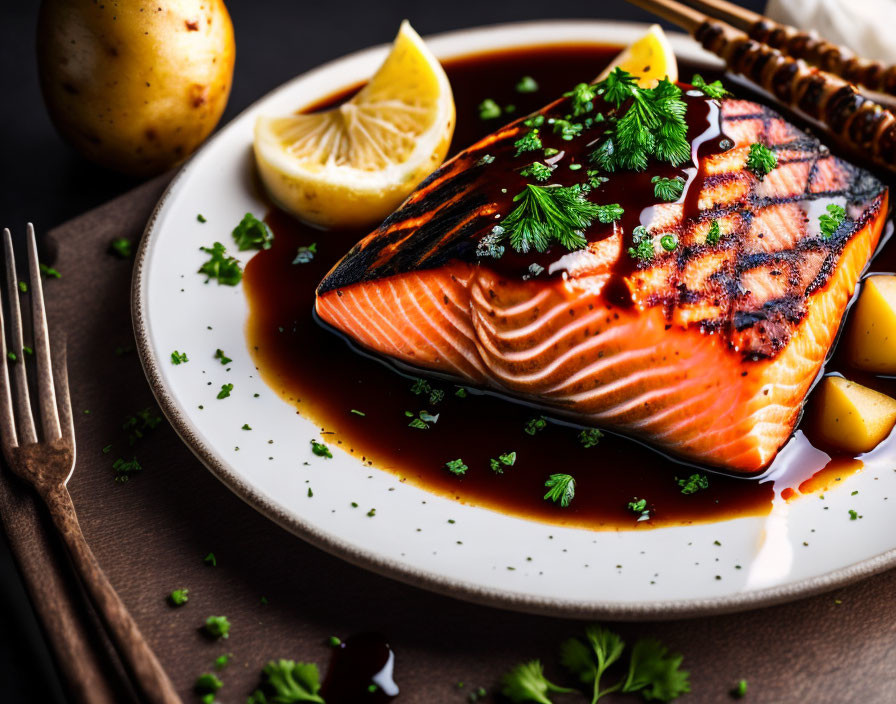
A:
[(375, 414)]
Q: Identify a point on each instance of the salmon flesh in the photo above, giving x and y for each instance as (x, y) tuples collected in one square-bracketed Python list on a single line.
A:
[(706, 352)]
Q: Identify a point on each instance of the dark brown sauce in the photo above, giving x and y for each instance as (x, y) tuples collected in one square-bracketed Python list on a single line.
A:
[(360, 671), (327, 379)]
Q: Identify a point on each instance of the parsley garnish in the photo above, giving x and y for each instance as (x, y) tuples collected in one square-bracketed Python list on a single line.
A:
[(178, 597), (217, 626), (210, 560), (643, 242), (639, 508), (761, 160), (224, 268), (527, 683), (538, 171), (179, 357), (456, 466), (246, 426), (49, 272), (529, 142), (222, 661), (252, 233), (609, 213), (225, 360), (589, 661), (125, 468), (551, 213), (714, 234), (693, 483), (533, 425), (489, 109), (527, 84), (121, 248), (288, 682), (590, 437), (23, 286), (667, 189), (561, 487), (305, 254), (321, 450), (506, 460), (200, 217), (423, 419), (582, 98), (567, 130), (225, 391), (740, 690), (140, 423), (831, 221), (711, 90), (206, 685)]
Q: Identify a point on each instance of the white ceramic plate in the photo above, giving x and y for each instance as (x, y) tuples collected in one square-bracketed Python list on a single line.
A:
[(803, 547)]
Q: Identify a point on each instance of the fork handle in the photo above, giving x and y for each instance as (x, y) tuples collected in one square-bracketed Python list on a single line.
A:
[(146, 672)]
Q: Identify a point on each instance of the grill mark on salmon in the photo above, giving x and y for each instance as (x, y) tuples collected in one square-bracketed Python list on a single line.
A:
[(707, 352)]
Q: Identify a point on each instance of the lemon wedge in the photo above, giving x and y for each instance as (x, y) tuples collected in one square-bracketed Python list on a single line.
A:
[(650, 59), (354, 164)]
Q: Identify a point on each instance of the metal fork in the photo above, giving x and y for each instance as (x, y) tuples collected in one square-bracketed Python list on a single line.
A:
[(47, 460)]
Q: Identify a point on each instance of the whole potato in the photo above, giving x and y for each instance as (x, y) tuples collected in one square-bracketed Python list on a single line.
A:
[(135, 86)]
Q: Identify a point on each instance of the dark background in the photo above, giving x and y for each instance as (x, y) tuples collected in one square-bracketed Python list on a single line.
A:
[(43, 181)]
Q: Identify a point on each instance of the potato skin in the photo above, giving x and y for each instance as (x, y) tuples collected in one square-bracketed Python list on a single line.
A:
[(132, 85)]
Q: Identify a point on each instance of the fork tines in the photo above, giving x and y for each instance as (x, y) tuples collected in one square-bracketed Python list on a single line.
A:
[(17, 425)]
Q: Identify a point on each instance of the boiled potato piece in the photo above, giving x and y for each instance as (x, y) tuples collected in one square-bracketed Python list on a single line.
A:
[(852, 417), (872, 338), (135, 86)]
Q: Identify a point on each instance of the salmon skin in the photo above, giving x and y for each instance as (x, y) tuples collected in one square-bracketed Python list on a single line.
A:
[(706, 352)]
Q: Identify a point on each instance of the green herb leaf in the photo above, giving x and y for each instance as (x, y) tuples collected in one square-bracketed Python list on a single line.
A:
[(121, 248), (217, 626), (590, 660), (740, 690), (225, 360), (714, 234), (456, 467), (831, 221), (222, 661), (567, 130), (655, 673), (321, 450), (538, 171), (178, 597), (304, 255), (23, 286), (225, 391), (618, 86), (526, 683), (489, 109), (200, 217), (534, 425), (551, 213), (761, 160), (561, 488), (210, 560), (581, 98), (252, 233), (125, 468), (693, 483), (527, 84), (667, 189), (207, 683), (49, 272), (506, 460), (711, 90), (288, 682), (643, 241), (220, 266), (590, 437), (529, 142), (609, 213), (179, 357)]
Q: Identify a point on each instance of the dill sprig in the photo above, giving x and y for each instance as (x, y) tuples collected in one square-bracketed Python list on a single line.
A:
[(642, 240), (667, 189), (551, 213)]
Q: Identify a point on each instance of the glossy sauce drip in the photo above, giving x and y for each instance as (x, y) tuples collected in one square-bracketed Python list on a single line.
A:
[(326, 378), (360, 671)]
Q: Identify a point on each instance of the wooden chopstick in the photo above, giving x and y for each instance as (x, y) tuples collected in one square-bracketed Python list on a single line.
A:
[(833, 58)]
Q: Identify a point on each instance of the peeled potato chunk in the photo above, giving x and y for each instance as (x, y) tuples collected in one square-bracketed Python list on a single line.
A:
[(872, 338), (852, 417)]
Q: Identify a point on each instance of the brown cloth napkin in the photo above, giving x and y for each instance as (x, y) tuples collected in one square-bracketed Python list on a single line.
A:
[(151, 534)]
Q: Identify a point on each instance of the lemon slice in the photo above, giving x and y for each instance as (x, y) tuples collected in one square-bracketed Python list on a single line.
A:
[(650, 58), (354, 164)]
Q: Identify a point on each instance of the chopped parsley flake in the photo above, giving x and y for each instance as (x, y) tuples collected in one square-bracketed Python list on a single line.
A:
[(527, 84), (693, 483), (643, 242), (210, 560), (714, 234), (853, 515), (222, 661), (740, 690), (581, 98), (761, 160), (139, 424), (246, 426), (567, 130), (49, 272), (125, 468), (121, 247), (358, 413), (23, 286), (334, 641), (217, 626), (252, 233), (534, 121), (529, 142), (304, 255), (220, 266), (456, 467), (200, 217), (534, 425), (639, 508), (206, 685), (711, 90), (506, 460), (288, 682), (321, 450), (489, 110), (461, 392), (179, 357), (831, 221), (561, 488), (178, 597), (551, 213), (225, 360), (538, 171), (667, 189), (609, 213), (225, 391), (590, 437)]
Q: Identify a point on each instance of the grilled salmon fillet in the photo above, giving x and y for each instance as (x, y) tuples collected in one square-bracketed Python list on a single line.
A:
[(706, 352)]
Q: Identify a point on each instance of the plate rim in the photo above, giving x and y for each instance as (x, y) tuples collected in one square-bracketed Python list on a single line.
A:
[(666, 609)]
